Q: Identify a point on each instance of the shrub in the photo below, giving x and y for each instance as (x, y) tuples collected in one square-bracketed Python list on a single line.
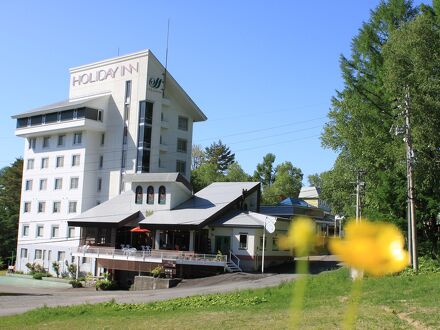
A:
[(156, 272), (36, 268), (426, 266), (76, 283), (2, 263), (56, 268), (106, 285), (38, 276), (72, 270)]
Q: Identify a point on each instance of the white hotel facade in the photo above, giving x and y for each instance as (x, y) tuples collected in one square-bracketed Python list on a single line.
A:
[(118, 120), (110, 167)]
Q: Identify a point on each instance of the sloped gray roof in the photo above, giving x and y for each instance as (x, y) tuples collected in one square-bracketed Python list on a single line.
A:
[(203, 206), (112, 212), (96, 101), (242, 219)]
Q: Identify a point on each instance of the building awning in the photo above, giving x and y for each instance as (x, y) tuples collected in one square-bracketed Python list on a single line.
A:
[(97, 102)]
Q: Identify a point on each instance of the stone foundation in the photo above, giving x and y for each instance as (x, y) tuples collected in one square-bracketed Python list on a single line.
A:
[(152, 283)]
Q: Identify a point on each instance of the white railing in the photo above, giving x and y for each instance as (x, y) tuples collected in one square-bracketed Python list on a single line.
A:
[(149, 255), (234, 259)]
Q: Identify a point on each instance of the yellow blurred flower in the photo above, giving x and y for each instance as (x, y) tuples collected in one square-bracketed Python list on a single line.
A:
[(301, 237), (375, 247)]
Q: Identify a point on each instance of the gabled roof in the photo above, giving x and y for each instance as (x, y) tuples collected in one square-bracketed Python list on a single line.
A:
[(290, 201), (204, 206), (92, 102), (242, 219), (309, 192)]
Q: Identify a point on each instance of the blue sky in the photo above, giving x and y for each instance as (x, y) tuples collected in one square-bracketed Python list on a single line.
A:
[(263, 72)]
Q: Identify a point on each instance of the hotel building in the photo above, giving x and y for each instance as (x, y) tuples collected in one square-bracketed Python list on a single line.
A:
[(106, 182)]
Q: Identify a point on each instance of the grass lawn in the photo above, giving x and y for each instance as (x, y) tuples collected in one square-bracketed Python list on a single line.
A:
[(3, 272), (387, 303)]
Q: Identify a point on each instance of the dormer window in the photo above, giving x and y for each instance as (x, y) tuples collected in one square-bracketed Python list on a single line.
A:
[(150, 195), (138, 198), (162, 195)]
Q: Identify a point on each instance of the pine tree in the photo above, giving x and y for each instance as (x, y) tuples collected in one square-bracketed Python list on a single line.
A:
[(220, 155)]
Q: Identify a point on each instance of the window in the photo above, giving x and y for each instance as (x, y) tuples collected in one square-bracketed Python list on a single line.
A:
[(60, 161), (44, 162), (101, 161), (162, 195), (124, 158), (58, 183), (181, 145), (46, 140), (55, 231), (261, 243), (183, 123), (124, 137), (56, 207), (138, 198), (75, 160), (58, 116), (28, 185), (275, 243), (150, 195), (126, 112), (41, 207), (102, 138), (61, 256), (127, 91), (27, 207), (99, 185), (49, 255), (243, 242), (40, 231), (77, 138), (181, 166), (38, 254), (25, 231), (61, 140), (71, 232), (72, 207), (24, 253), (74, 183), (32, 142), (43, 184), (30, 164)]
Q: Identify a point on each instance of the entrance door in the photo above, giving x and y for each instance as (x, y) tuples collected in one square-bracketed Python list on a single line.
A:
[(223, 244)]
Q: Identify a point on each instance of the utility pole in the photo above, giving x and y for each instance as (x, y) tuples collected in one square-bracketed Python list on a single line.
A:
[(359, 184), (412, 232)]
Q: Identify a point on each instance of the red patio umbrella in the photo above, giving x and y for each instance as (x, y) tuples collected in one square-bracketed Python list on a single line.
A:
[(138, 229)]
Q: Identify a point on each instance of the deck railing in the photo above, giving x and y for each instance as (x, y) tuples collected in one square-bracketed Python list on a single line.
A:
[(148, 255)]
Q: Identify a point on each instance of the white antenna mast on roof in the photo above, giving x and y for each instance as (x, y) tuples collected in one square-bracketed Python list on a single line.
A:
[(166, 60)]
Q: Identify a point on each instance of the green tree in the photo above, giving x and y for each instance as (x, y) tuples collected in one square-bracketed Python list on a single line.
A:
[(235, 173), (412, 72), (220, 155), (265, 172), (360, 120), (197, 156), (315, 180), (288, 182), (10, 190), (204, 175)]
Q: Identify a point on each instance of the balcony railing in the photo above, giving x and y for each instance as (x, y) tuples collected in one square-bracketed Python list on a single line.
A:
[(157, 256)]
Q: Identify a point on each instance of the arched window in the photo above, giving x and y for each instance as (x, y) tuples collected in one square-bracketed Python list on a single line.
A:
[(150, 195), (138, 199), (162, 195)]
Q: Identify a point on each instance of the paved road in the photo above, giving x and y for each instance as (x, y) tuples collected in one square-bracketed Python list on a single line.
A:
[(15, 300)]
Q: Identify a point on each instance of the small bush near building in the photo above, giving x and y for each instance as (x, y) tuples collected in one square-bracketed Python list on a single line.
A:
[(38, 276), (56, 268), (106, 284), (157, 272), (76, 283)]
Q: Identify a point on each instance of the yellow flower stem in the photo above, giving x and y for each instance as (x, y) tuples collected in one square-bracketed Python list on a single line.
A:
[(299, 288), (353, 305)]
